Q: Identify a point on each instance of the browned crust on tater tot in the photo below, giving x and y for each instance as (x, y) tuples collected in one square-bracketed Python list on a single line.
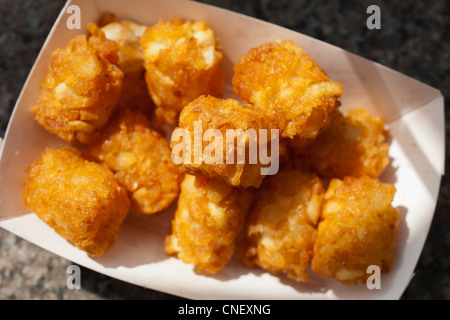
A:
[(79, 199), (81, 88), (358, 229), (223, 114), (127, 34), (140, 159), (282, 222), (182, 61), (209, 218), (353, 145), (284, 82)]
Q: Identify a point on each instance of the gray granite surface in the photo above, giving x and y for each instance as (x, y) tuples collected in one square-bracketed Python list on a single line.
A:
[(414, 40)]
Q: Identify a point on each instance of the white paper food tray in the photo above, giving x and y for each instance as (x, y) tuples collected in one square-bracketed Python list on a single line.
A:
[(413, 110)]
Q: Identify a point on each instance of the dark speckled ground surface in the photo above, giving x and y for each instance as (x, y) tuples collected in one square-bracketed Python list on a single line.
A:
[(414, 40)]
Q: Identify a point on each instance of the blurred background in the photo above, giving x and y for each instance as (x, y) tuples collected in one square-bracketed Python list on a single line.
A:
[(414, 39)]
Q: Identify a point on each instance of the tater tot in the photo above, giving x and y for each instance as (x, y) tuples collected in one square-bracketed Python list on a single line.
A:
[(127, 35), (357, 229), (223, 115), (81, 88), (182, 62), (353, 145), (208, 219), (140, 159), (79, 199), (280, 79), (282, 222)]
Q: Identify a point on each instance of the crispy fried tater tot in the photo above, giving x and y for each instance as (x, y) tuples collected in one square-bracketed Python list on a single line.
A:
[(282, 223), (140, 159), (358, 228), (280, 79), (104, 47), (182, 62), (81, 89), (209, 217), (225, 116), (134, 94), (353, 145), (79, 199), (127, 35)]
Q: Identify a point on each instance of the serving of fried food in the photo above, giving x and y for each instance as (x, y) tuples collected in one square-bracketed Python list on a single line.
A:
[(322, 211)]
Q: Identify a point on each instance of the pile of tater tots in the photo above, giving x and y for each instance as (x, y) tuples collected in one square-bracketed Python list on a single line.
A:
[(112, 94)]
